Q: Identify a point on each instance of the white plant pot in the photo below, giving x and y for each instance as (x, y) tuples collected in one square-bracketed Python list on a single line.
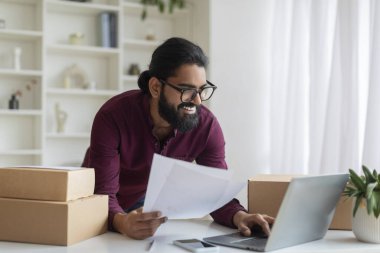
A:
[(366, 227)]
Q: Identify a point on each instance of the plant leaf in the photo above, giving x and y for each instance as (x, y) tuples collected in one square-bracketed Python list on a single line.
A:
[(376, 205), (370, 205), (368, 175), (161, 6), (144, 14), (357, 204), (357, 181), (370, 188)]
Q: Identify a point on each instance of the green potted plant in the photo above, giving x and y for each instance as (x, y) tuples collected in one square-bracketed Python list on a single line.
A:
[(162, 5), (366, 208)]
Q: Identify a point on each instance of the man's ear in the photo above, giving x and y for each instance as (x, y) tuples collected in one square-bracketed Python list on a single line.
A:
[(154, 87)]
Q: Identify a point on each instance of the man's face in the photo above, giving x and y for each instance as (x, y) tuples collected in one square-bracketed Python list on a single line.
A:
[(184, 116)]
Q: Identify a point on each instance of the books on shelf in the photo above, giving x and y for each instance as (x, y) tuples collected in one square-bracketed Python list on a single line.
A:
[(107, 29)]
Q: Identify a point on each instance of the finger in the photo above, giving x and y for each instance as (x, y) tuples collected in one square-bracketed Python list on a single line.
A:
[(260, 220), (147, 224), (268, 218), (148, 229), (145, 233), (149, 216), (244, 230)]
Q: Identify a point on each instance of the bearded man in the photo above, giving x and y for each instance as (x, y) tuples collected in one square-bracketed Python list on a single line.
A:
[(165, 116)]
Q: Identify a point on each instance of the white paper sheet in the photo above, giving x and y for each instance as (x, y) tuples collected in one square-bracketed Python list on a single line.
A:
[(183, 190)]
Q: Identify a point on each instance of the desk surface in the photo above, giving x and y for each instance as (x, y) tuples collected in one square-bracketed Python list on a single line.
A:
[(335, 241)]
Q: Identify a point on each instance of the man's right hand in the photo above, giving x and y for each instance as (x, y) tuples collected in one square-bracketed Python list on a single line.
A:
[(138, 225)]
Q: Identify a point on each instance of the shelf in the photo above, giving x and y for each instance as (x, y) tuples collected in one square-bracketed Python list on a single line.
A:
[(20, 112), (28, 2), (82, 92), (21, 152), (17, 73), (137, 8), (20, 34), (141, 43), (79, 8), (68, 135), (86, 50)]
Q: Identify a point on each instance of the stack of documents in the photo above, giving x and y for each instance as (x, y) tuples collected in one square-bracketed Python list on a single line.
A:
[(183, 190)]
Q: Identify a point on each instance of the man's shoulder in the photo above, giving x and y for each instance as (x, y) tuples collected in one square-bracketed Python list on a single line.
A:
[(207, 118), (206, 114), (124, 100)]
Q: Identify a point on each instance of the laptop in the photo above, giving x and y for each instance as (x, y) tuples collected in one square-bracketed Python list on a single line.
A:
[(305, 215)]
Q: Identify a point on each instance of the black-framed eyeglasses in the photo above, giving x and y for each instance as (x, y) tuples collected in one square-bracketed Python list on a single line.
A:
[(188, 94)]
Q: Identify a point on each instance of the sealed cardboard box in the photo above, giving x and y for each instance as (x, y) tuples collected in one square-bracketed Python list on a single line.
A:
[(265, 194), (54, 184), (56, 223)]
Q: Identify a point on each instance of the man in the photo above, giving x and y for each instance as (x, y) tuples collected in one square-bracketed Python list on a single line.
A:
[(165, 116)]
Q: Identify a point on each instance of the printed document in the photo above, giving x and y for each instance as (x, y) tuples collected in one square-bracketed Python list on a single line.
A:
[(183, 190)]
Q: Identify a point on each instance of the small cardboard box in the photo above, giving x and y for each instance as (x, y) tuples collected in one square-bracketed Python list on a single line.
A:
[(265, 194), (56, 223), (53, 184)]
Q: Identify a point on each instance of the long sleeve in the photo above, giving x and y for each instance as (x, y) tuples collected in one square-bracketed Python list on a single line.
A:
[(103, 156)]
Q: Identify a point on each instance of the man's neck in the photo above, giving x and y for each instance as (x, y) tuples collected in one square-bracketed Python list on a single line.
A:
[(161, 128)]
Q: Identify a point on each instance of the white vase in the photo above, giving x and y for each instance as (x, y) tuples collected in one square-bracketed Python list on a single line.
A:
[(366, 227)]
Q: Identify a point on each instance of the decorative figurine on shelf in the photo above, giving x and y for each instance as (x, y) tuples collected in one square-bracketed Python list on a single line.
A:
[(61, 117), (14, 102), (91, 85), (2, 23), (150, 35), (17, 51), (74, 77), (134, 69), (27, 92), (76, 38)]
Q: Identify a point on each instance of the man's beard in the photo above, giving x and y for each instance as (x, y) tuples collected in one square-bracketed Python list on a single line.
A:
[(183, 123)]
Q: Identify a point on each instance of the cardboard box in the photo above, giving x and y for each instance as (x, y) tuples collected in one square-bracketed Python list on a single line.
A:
[(46, 183), (57, 223), (265, 194)]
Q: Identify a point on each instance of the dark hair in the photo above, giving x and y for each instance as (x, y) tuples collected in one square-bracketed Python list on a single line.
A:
[(168, 57)]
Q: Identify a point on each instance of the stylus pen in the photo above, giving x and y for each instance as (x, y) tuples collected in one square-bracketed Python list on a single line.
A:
[(150, 246)]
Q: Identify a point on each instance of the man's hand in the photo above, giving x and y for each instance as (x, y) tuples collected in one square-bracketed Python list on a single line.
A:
[(138, 225), (244, 221)]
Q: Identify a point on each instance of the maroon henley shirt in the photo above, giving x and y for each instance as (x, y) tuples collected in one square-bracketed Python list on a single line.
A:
[(122, 148)]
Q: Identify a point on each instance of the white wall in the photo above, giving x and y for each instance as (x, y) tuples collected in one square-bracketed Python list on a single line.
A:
[(239, 60)]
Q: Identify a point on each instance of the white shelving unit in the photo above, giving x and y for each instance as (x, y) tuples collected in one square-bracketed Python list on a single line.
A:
[(41, 28)]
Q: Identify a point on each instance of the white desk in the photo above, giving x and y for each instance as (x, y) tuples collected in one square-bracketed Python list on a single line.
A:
[(335, 241)]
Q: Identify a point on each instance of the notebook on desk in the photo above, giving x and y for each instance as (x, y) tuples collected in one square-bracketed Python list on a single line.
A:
[(305, 215)]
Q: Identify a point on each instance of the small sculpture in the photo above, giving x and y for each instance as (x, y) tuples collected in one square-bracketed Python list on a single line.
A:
[(74, 76), (14, 102), (76, 38), (134, 69), (17, 51), (61, 117), (150, 35)]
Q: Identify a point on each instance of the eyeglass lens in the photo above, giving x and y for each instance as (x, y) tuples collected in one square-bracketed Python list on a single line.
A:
[(189, 95)]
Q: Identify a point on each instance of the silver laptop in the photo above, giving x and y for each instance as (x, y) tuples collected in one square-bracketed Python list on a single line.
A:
[(305, 215)]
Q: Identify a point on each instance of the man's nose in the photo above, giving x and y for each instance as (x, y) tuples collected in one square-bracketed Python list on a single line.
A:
[(197, 99)]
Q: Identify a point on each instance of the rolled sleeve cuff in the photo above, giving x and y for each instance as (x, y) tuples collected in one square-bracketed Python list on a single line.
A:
[(111, 214), (225, 214)]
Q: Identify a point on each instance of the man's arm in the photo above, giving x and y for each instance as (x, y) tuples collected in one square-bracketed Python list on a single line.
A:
[(103, 156)]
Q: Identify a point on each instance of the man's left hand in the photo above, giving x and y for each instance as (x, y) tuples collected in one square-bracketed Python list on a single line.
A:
[(244, 221)]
